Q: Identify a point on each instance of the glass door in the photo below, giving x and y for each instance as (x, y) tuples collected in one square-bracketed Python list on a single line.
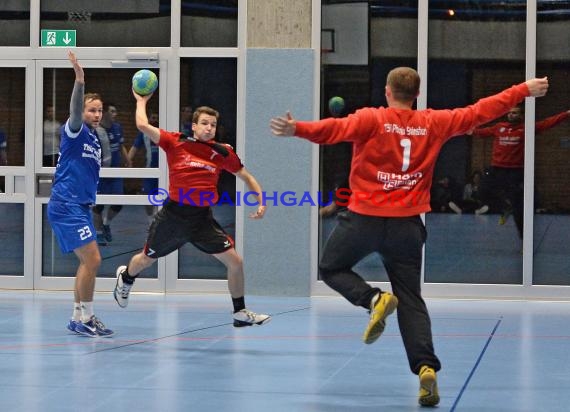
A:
[(16, 186), (123, 211)]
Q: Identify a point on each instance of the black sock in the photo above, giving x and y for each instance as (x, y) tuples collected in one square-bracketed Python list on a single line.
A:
[(128, 279), (239, 304)]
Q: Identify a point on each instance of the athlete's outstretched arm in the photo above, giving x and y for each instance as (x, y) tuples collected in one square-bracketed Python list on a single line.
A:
[(283, 125), (142, 120), (76, 103)]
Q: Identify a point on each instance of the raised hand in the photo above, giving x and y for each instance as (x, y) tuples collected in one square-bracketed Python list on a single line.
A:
[(79, 74)]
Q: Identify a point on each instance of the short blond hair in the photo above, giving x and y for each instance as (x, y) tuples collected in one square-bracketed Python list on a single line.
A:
[(404, 83), (91, 96)]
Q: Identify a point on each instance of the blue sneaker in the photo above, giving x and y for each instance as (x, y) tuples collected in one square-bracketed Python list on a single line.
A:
[(107, 233), (93, 328), (72, 325)]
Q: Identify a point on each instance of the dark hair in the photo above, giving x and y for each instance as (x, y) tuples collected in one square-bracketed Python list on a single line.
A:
[(404, 83)]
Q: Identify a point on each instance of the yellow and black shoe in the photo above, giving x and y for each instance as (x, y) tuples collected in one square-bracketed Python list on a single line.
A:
[(380, 309), (429, 395)]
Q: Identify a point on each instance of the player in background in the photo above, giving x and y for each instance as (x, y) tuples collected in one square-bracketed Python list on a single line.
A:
[(110, 185), (503, 184), (142, 141)]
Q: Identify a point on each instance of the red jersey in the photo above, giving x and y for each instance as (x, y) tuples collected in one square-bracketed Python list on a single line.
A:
[(508, 143), (395, 150), (194, 169)]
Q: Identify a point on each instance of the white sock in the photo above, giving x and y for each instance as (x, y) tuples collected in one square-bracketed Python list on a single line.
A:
[(76, 312), (86, 311), (374, 300)]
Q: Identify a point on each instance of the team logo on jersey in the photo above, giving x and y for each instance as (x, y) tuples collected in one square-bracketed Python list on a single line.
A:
[(394, 181)]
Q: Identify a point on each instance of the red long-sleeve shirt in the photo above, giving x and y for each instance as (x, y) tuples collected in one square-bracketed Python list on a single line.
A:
[(395, 150), (508, 143)]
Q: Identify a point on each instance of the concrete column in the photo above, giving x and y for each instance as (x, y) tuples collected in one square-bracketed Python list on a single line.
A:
[(279, 77)]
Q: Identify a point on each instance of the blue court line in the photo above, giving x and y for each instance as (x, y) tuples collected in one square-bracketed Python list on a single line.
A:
[(476, 365), (182, 333)]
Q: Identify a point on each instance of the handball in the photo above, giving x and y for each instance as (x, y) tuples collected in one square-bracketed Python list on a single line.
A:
[(336, 105), (144, 82)]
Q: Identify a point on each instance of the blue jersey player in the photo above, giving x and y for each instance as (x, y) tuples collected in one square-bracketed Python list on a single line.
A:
[(110, 185), (73, 192)]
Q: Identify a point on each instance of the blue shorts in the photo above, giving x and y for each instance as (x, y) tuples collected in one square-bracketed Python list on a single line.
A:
[(71, 223), (110, 186), (149, 185)]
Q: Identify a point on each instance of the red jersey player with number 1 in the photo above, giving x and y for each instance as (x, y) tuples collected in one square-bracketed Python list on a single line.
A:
[(394, 154)]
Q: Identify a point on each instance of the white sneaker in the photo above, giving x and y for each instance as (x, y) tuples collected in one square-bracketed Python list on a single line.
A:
[(454, 207), (482, 210), (248, 318), (122, 289)]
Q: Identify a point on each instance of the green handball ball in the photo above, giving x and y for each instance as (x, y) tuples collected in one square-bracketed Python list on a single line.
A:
[(144, 82), (336, 105)]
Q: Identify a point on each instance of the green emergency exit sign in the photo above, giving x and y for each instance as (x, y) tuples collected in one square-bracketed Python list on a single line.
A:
[(58, 38)]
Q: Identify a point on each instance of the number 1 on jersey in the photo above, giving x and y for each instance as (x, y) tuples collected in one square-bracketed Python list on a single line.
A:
[(407, 145)]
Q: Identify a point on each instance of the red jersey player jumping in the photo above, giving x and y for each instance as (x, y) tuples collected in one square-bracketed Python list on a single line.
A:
[(194, 166), (394, 154), (504, 181)]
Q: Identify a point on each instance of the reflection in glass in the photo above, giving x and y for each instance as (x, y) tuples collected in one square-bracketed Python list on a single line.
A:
[(15, 23), (388, 38), (129, 230), (200, 86), (475, 50), (108, 23), (552, 148), (209, 23), (117, 131), (12, 116), (12, 239)]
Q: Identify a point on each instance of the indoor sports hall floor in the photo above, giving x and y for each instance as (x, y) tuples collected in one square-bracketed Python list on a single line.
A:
[(181, 353)]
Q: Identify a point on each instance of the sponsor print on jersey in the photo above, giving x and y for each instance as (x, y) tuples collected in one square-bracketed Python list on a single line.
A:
[(199, 165), (405, 131), (392, 181), (509, 140), (92, 152)]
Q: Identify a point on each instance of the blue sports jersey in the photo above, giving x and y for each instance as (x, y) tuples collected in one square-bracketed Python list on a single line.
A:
[(151, 149), (116, 140), (77, 171)]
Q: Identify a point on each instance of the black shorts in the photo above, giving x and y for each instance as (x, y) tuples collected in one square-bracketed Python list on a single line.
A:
[(175, 225)]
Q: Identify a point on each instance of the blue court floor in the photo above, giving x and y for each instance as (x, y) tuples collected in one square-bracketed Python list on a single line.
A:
[(181, 353)]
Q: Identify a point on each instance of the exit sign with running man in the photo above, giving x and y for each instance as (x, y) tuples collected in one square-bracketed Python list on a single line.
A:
[(58, 38)]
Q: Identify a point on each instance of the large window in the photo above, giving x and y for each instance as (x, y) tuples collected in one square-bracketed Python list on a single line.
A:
[(361, 42), (474, 51), (552, 147), (201, 86), (15, 23), (110, 23)]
